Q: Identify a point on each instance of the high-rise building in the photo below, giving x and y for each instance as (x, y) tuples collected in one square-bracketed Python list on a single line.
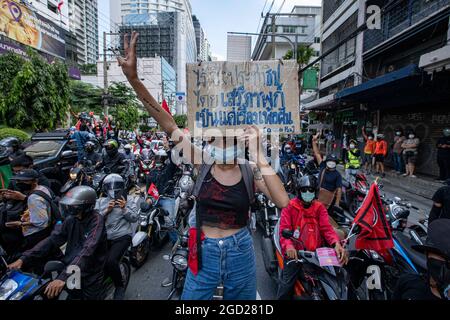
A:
[(300, 26), (166, 29), (239, 48), (83, 24), (203, 46)]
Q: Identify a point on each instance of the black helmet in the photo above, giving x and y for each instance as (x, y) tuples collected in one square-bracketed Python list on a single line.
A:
[(89, 147), (307, 182), (114, 186), (78, 200), (10, 142), (331, 157)]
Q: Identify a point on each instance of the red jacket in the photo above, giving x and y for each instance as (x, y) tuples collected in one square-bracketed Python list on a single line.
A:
[(291, 217)]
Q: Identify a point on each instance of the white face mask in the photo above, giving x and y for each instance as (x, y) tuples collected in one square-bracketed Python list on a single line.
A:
[(411, 136), (224, 155), (331, 165)]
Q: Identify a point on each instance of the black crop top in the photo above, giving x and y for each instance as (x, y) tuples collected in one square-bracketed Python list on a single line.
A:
[(224, 207)]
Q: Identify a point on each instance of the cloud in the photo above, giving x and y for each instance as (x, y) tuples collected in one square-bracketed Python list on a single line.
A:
[(289, 4), (218, 56)]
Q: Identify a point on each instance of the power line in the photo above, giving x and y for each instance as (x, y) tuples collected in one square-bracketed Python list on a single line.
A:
[(281, 7), (262, 12)]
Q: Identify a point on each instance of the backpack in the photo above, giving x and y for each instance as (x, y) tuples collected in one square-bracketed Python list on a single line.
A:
[(308, 222), (55, 214)]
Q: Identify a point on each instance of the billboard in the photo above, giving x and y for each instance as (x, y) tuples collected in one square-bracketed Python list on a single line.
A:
[(25, 26)]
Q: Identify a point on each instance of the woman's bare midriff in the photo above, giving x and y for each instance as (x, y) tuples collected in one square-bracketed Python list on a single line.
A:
[(217, 233)]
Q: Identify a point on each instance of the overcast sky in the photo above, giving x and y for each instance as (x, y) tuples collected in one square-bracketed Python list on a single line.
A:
[(218, 17)]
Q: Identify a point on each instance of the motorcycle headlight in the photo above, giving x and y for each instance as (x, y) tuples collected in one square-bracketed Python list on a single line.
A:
[(180, 260), (8, 287), (292, 166)]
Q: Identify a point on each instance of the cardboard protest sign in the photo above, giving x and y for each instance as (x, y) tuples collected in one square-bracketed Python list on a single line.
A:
[(233, 95)]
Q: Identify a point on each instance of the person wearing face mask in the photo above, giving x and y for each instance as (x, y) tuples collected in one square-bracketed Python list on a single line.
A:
[(120, 212), (129, 155), (90, 154), (436, 285), (443, 155), (410, 151), (308, 219), (330, 180), (81, 137), (381, 150), (369, 149), (397, 150), (83, 231), (224, 192), (113, 159), (352, 160), (35, 220)]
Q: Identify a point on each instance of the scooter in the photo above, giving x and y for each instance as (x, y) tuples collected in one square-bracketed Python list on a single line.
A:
[(19, 285), (354, 192), (151, 232), (317, 282)]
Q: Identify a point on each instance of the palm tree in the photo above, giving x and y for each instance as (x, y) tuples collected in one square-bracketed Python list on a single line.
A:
[(304, 55)]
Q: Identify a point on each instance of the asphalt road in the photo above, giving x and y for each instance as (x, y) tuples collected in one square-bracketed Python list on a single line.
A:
[(145, 283)]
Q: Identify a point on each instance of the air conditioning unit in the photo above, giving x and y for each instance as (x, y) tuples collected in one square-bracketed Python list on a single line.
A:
[(435, 61)]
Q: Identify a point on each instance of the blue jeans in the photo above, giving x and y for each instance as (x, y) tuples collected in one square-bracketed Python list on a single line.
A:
[(399, 165), (230, 261)]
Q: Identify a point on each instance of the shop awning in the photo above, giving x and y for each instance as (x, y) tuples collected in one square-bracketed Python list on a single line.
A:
[(377, 86)]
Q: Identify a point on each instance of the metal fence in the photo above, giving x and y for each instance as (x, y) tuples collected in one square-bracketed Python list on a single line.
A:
[(400, 15)]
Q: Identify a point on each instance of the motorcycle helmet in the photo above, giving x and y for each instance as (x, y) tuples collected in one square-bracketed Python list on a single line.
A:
[(331, 161), (160, 157), (89, 147), (127, 148), (306, 189), (114, 186), (11, 143), (79, 200), (111, 147)]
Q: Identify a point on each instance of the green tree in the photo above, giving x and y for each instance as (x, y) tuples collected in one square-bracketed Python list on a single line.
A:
[(39, 92), (85, 97), (124, 106), (126, 116), (88, 69), (181, 120), (304, 55)]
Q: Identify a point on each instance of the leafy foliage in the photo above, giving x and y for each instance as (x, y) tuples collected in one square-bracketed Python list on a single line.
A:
[(88, 69), (37, 93), (126, 116), (181, 120), (85, 97), (304, 55), (10, 132), (124, 106)]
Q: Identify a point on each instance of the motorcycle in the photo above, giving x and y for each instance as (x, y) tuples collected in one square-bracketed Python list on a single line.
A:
[(80, 175), (354, 192), (316, 282), (19, 285), (267, 216), (144, 168), (182, 192), (151, 232)]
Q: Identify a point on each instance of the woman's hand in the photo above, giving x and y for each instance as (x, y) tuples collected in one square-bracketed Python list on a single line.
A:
[(341, 253), (129, 62)]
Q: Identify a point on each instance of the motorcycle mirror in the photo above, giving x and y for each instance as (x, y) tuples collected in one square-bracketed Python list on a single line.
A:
[(286, 233), (53, 266)]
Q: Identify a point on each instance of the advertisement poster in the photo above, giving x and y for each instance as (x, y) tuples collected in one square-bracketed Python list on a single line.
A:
[(21, 24), (233, 95)]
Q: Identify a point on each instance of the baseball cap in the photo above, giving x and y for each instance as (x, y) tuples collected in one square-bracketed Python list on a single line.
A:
[(26, 175)]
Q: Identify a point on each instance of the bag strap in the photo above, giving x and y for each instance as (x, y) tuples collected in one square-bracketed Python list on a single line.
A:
[(321, 178), (249, 180)]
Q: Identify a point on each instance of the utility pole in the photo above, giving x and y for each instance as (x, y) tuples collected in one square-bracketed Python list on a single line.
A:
[(105, 72), (273, 36)]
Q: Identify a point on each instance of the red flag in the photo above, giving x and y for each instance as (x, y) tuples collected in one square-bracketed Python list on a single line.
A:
[(60, 4), (153, 192), (165, 106), (375, 230)]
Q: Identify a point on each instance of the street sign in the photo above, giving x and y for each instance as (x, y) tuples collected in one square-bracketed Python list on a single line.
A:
[(181, 96)]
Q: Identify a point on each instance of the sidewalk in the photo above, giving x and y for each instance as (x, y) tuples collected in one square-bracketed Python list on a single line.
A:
[(421, 186)]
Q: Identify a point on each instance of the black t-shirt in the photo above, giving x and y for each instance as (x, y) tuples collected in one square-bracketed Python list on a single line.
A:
[(413, 287), (441, 151), (442, 196), (332, 179), (224, 207)]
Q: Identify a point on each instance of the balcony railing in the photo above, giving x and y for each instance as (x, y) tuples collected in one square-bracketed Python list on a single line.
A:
[(400, 17)]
